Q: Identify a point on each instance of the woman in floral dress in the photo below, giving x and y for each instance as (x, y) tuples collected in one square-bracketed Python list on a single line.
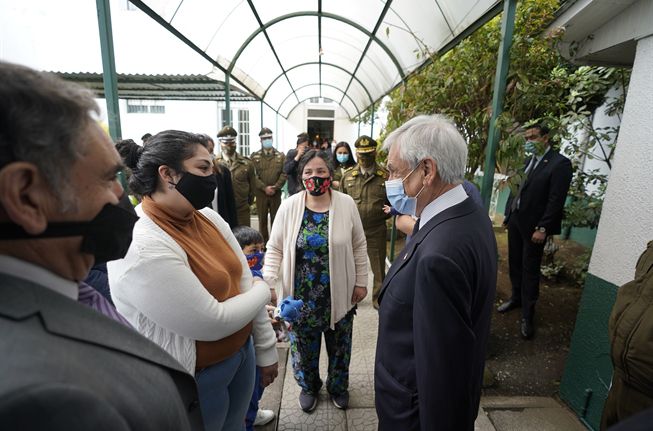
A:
[(317, 253)]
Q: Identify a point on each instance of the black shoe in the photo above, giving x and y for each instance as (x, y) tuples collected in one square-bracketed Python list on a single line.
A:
[(508, 305), (341, 401), (527, 329), (307, 401)]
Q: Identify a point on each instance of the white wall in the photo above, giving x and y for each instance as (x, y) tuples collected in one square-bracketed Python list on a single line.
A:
[(627, 218)]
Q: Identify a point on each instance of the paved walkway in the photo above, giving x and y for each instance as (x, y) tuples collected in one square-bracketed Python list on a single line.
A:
[(495, 414)]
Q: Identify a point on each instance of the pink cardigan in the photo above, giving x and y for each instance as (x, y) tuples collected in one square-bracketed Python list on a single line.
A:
[(347, 250)]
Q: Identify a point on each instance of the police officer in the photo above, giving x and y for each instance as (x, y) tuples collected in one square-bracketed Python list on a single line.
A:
[(365, 183), (242, 174), (268, 164)]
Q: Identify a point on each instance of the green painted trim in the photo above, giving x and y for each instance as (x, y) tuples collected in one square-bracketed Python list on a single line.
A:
[(109, 75), (583, 235), (588, 369), (501, 75)]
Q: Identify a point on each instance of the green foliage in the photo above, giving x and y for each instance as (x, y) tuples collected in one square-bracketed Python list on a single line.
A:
[(459, 83), (541, 86)]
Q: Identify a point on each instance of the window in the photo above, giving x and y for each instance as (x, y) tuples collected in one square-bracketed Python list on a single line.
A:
[(142, 107), (243, 132), (136, 107), (320, 113), (314, 100), (157, 109)]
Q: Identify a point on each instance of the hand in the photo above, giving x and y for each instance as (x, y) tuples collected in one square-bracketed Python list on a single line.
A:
[(268, 374), (270, 309), (538, 237), (300, 152), (273, 296), (360, 292), (335, 184), (387, 209), (270, 190)]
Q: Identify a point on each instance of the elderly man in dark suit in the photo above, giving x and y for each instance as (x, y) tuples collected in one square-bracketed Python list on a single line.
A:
[(532, 214), (436, 300), (69, 361)]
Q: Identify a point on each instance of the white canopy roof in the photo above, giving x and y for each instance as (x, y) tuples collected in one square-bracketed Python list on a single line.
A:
[(282, 52)]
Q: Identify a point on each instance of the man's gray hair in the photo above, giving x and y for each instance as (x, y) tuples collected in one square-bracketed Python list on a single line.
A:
[(44, 121), (435, 137)]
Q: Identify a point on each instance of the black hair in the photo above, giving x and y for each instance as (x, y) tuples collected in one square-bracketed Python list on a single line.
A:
[(129, 152), (146, 137), (310, 155), (542, 129), (246, 235), (170, 148), (349, 163)]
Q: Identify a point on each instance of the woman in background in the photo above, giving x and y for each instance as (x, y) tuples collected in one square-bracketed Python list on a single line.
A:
[(343, 160)]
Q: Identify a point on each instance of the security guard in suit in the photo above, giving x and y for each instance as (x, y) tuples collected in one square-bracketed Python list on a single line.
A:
[(242, 174), (268, 165), (365, 183)]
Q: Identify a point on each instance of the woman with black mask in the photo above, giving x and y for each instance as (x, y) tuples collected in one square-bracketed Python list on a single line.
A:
[(317, 251), (185, 283)]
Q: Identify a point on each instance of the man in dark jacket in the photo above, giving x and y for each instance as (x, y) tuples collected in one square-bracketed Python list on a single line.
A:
[(436, 300), (68, 360), (292, 162), (532, 214)]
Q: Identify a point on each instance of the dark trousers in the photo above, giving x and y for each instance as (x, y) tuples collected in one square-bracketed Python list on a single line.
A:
[(524, 259), (376, 251), (266, 204)]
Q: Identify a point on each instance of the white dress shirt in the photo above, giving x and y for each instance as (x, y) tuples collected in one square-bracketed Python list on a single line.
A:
[(39, 275), (441, 203)]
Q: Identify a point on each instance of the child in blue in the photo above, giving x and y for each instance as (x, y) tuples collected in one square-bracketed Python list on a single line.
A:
[(251, 242)]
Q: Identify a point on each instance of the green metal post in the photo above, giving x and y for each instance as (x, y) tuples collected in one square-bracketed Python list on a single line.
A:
[(262, 114), (507, 27), (109, 68), (393, 238), (372, 128), (227, 101), (359, 126)]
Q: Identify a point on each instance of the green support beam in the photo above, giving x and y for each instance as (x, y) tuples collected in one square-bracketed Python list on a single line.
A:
[(507, 27), (227, 100), (109, 68), (372, 120)]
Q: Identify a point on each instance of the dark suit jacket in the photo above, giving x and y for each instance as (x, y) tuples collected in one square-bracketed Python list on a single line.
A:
[(434, 321), (65, 366), (226, 199), (543, 196), (290, 166)]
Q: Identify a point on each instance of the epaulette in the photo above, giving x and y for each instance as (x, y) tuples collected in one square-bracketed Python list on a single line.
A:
[(382, 173)]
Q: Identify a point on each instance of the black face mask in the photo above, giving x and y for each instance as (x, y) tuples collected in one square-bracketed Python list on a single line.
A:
[(107, 237), (197, 190)]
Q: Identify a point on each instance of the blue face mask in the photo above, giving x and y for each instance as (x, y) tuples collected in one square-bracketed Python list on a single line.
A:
[(396, 193), (342, 158), (267, 143), (255, 260), (530, 147)]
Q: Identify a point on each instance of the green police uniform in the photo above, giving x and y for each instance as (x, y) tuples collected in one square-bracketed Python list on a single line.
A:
[(243, 176), (368, 191), (268, 165)]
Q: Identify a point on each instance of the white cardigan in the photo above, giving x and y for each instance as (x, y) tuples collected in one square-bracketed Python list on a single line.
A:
[(155, 289), (347, 250)]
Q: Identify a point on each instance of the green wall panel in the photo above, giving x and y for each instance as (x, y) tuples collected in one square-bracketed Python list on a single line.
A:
[(588, 370)]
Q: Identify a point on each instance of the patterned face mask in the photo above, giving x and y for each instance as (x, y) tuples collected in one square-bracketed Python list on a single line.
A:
[(317, 186)]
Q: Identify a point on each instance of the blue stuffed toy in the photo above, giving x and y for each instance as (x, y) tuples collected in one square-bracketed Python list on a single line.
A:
[(289, 310)]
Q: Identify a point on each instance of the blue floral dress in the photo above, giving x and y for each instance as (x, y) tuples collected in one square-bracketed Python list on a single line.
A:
[(312, 285)]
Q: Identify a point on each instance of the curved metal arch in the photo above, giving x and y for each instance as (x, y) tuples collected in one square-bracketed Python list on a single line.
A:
[(312, 63), (309, 98), (326, 85), (324, 15)]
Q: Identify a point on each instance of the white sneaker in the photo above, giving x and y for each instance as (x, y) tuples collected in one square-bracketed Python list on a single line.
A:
[(263, 417)]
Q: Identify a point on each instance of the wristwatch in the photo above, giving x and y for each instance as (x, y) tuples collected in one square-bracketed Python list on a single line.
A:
[(540, 229)]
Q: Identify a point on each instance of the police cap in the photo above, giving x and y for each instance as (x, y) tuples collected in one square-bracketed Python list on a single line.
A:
[(365, 144)]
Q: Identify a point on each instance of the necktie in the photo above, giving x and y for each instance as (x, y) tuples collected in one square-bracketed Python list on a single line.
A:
[(527, 172), (92, 298), (416, 227)]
